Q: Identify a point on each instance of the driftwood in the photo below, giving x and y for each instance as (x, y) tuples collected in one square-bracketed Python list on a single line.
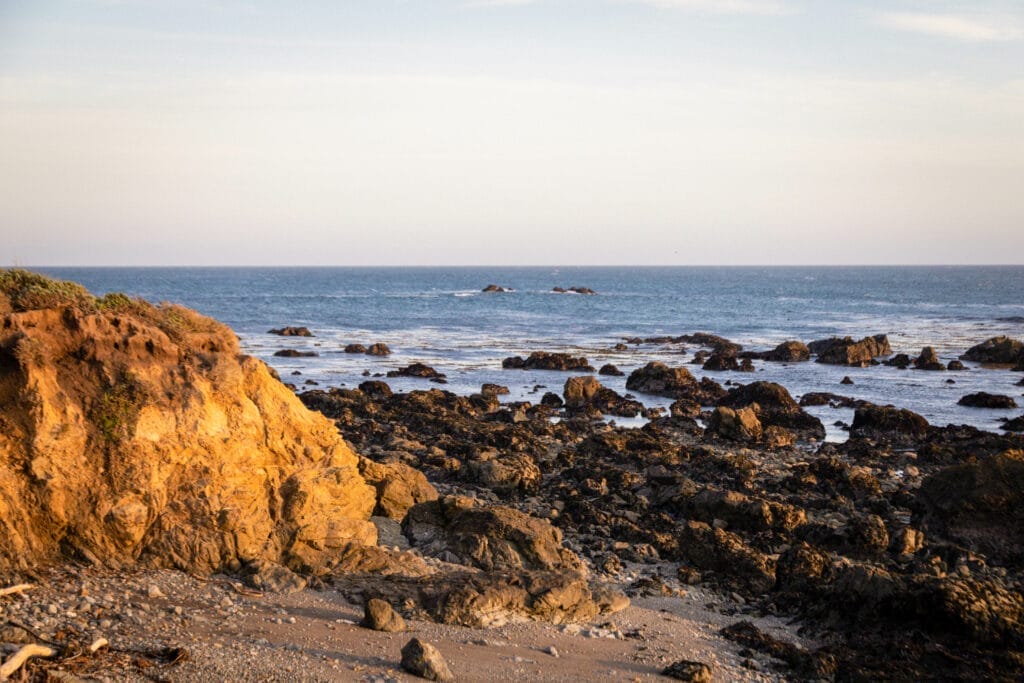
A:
[(15, 661), (237, 587), (19, 588)]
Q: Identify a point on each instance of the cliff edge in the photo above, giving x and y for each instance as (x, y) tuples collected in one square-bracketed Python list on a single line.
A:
[(133, 433)]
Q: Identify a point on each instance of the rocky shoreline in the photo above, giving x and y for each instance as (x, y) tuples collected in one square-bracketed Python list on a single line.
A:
[(142, 437)]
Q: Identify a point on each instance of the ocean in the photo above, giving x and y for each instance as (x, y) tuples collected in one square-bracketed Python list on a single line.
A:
[(440, 316)]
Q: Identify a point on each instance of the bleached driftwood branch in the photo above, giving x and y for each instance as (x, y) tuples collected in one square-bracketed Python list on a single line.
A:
[(15, 661), (19, 588)]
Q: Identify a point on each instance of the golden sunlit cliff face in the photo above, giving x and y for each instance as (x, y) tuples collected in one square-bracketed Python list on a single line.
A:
[(133, 433)]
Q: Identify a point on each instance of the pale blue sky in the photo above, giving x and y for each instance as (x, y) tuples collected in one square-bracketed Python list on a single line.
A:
[(511, 132)]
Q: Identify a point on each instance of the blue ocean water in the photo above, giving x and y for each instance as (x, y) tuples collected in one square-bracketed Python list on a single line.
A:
[(440, 316)]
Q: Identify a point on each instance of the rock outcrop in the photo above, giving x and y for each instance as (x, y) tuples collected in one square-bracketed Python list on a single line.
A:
[(139, 433), (1001, 350), (544, 360), (979, 504), (846, 351), (774, 406), (888, 423), (661, 380), (983, 399)]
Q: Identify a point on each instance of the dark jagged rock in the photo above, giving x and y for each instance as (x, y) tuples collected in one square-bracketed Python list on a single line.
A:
[(811, 666), (774, 406), (661, 380), (378, 349), (294, 353), (737, 425), (376, 390), (720, 361), (824, 398), (846, 380), (955, 365), (978, 504), (355, 348), (610, 370), (684, 407), (552, 399), (983, 399), (888, 423), (846, 351), (494, 390), (721, 551), (587, 392), (487, 537), (417, 370), (573, 290), (928, 360), (900, 360), (544, 360), (786, 352), (495, 288), (1014, 425), (1000, 350), (291, 332)]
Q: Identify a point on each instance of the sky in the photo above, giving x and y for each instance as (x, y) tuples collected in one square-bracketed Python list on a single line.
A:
[(511, 132)]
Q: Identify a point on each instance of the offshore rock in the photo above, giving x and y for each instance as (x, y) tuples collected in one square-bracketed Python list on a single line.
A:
[(292, 332), (661, 380), (984, 399), (417, 370), (378, 349), (929, 360), (846, 351), (888, 423), (789, 352), (544, 360), (1000, 350)]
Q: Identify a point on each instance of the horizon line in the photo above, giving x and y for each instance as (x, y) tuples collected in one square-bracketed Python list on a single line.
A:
[(528, 265)]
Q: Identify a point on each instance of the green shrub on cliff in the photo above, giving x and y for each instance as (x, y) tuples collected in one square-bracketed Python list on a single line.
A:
[(27, 291), (22, 290)]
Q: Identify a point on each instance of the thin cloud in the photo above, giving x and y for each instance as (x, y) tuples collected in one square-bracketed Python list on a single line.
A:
[(954, 26), (765, 7), (768, 7), (498, 3)]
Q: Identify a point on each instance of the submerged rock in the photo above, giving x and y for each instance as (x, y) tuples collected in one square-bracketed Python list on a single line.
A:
[(543, 360), (984, 399), (417, 370), (292, 332), (294, 353)]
